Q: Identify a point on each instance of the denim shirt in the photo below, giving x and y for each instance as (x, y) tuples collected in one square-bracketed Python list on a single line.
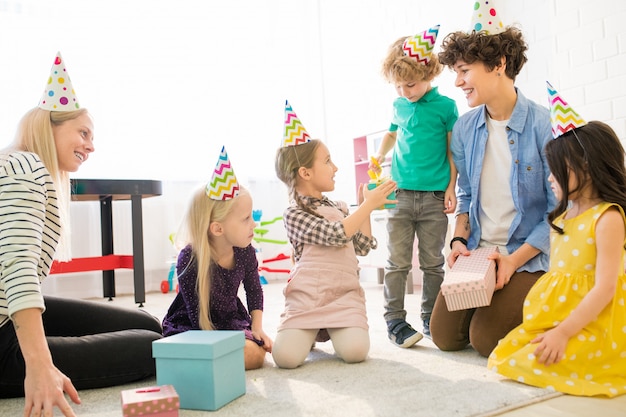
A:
[(528, 130)]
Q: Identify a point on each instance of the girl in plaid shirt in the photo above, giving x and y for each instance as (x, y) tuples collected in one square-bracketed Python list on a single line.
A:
[(323, 297)]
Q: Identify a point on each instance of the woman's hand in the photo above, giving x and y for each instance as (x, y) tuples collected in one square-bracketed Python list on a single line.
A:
[(505, 268), (44, 384), (458, 249), (44, 388)]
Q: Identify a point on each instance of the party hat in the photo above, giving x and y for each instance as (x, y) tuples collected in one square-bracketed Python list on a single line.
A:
[(421, 45), (562, 116), (486, 18), (295, 133), (59, 94), (223, 184)]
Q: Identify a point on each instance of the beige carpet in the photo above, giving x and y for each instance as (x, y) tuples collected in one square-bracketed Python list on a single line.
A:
[(421, 381)]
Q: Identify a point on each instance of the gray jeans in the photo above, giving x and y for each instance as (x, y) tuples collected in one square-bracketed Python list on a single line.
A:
[(417, 214)]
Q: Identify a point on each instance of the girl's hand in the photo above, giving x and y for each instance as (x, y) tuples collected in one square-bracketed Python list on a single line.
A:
[(377, 197), (505, 268), (360, 197), (268, 343), (551, 348), (44, 388)]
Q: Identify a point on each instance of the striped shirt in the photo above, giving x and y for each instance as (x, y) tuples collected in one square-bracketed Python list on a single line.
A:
[(29, 231), (306, 228)]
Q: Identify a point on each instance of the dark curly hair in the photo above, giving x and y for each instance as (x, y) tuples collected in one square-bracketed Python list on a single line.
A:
[(488, 49), (595, 155)]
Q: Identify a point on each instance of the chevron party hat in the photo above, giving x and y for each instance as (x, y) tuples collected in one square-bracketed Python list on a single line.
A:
[(562, 116), (295, 133), (421, 46), (486, 18), (223, 184), (59, 93)]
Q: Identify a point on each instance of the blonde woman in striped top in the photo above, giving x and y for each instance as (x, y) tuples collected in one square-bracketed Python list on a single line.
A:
[(48, 345)]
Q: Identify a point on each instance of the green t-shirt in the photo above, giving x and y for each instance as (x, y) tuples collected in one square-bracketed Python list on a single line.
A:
[(420, 159)]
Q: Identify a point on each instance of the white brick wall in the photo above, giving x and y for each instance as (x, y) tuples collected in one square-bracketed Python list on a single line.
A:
[(580, 47)]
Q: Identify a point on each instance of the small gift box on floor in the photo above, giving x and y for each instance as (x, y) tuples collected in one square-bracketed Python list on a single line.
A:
[(205, 366), (150, 402), (471, 280)]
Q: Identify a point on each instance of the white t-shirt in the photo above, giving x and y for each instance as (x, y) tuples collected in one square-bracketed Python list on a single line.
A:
[(496, 201)]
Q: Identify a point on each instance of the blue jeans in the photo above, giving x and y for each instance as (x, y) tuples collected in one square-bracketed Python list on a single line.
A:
[(417, 214)]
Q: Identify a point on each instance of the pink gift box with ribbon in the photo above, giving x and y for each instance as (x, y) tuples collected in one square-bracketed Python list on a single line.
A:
[(157, 401), (471, 281)]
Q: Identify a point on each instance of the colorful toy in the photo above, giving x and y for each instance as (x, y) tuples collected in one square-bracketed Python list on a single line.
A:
[(279, 257), (374, 175), (259, 234), (376, 180), (167, 286)]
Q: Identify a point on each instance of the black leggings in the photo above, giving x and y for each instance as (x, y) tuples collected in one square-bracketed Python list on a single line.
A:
[(96, 345)]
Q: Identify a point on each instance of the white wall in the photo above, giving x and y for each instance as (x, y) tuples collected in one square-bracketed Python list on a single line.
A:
[(169, 82), (589, 45)]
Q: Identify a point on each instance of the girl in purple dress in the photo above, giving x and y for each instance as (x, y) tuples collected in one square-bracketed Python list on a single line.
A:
[(216, 259)]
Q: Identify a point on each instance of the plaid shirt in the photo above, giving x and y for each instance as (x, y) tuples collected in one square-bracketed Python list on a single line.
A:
[(305, 228)]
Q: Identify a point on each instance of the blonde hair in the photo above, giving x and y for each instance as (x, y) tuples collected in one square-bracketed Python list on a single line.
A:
[(203, 211), (288, 161), (398, 67), (34, 134)]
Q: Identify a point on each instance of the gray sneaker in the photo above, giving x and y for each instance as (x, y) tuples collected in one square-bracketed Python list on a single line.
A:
[(402, 334), (426, 329)]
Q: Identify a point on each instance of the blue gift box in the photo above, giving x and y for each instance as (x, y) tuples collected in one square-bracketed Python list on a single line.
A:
[(205, 366)]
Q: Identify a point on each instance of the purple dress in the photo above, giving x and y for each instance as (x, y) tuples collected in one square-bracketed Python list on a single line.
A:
[(227, 311)]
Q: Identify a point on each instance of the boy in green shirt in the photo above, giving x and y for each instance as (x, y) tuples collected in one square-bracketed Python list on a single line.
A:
[(422, 166)]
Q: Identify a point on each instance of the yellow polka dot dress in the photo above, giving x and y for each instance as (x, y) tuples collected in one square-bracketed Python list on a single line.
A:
[(595, 359)]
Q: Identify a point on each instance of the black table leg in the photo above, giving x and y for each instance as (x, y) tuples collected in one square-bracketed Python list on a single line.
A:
[(138, 260), (106, 226)]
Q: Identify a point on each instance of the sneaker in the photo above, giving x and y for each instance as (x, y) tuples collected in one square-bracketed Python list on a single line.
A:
[(426, 326), (402, 334)]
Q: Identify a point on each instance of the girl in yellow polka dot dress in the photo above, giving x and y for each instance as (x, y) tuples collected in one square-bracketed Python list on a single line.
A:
[(573, 335)]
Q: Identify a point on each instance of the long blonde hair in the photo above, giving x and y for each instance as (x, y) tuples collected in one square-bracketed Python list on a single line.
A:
[(203, 211), (34, 134)]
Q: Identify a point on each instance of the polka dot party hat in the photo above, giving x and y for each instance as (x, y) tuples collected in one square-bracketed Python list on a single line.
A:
[(223, 184), (295, 133), (486, 18), (562, 116), (421, 46), (59, 93)]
